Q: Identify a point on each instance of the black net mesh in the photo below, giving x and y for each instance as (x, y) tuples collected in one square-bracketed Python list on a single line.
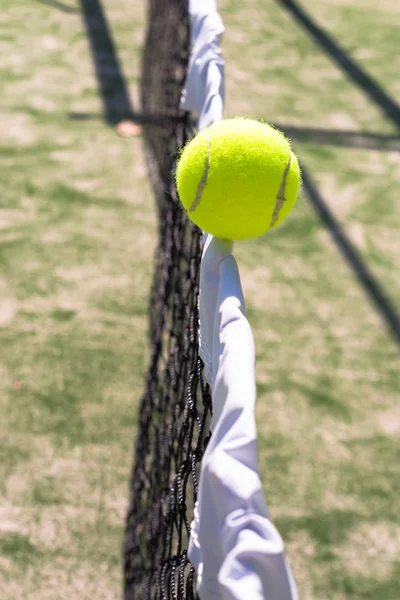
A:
[(176, 405)]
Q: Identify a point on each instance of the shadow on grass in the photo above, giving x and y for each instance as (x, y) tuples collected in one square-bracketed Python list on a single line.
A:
[(308, 135), (365, 277), (341, 138), (113, 88), (140, 119), (60, 6), (349, 66)]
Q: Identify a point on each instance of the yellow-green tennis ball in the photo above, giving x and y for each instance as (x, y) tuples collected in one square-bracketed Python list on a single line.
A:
[(238, 178)]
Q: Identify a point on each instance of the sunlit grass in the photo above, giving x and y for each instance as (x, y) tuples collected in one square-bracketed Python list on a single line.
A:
[(77, 236)]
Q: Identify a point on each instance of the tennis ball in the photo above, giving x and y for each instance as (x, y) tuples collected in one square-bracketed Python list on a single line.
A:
[(238, 178)]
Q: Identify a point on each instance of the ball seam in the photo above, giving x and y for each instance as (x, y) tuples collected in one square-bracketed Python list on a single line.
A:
[(280, 199), (203, 181)]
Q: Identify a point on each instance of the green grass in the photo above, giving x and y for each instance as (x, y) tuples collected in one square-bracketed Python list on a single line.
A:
[(76, 245), (77, 236), (328, 390)]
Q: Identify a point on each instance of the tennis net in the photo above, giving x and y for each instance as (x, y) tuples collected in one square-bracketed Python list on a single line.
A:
[(176, 404)]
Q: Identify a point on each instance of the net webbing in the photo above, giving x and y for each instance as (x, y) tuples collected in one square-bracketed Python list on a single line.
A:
[(176, 404)]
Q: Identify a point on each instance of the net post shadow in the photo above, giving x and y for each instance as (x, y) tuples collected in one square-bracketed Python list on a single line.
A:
[(117, 104)]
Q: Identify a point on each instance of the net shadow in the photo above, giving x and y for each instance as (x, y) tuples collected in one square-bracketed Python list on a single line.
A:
[(348, 65), (372, 287), (391, 110), (341, 138), (363, 140), (117, 104)]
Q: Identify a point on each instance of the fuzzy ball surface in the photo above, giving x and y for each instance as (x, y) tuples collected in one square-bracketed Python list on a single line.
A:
[(238, 178)]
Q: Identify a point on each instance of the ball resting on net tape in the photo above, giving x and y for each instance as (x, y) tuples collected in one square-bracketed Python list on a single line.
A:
[(238, 178)]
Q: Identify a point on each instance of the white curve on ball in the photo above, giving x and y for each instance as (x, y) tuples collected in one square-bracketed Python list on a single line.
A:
[(280, 200), (205, 175)]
